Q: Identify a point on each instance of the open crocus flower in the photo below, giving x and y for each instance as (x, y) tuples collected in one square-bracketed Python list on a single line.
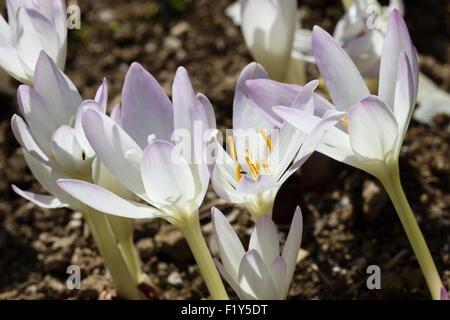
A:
[(33, 26), (269, 28), (264, 152), (373, 128), (361, 32), (260, 273), (51, 134), (140, 154), (54, 147)]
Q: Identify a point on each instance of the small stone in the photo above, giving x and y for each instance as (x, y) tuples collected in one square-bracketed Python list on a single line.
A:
[(106, 15), (150, 47), (180, 28), (74, 224), (333, 222), (31, 290), (336, 269), (172, 43), (77, 216), (146, 248), (374, 200), (174, 279)]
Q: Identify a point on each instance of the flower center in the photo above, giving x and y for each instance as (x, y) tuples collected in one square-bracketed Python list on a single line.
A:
[(252, 162)]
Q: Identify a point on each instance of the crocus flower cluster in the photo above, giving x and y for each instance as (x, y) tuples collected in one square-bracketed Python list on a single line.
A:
[(372, 128), (33, 26), (154, 157)]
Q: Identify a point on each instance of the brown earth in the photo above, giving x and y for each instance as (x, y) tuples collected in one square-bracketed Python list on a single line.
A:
[(349, 221)]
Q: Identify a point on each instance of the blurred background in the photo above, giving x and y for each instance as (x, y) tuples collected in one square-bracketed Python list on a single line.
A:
[(349, 221)]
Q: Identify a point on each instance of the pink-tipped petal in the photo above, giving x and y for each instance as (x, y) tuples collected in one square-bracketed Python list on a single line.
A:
[(101, 96), (396, 40), (262, 183), (183, 99), (246, 114), (43, 201), (146, 109), (404, 100), (343, 80), (254, 277)]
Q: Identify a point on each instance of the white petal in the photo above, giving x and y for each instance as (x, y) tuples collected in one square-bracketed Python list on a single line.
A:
[(254, 277), (43, 201), (404, 100), (278, 271), (246, 114), (230, 247), (231, 281), (264, 239), (118, 152), (373, 130), (167, 178), (101, 96), (343, 80), (57, 89), (39, 116), (397, 39), (22, 134), (68, 151), (292, 245), (268, 28), (183, 99), (106, 201)]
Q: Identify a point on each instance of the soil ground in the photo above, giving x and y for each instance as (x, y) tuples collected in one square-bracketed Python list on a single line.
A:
[(349, 222)]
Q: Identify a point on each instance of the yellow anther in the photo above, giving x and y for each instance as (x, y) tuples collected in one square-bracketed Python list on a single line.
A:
[(140, 163), (345, 120), (252, 167), (266, 138), (52, 157), (238, 173), (232, 147), (266, 166)]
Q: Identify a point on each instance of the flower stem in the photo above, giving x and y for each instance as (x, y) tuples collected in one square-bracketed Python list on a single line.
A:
[(193, 235), (115, 262), (392, 184)]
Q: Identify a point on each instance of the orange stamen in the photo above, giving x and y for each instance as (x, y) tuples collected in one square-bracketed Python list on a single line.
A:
[(238, 173), (345, 122), (252, 167), (232, 147), (266, 138), (265, 166)]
